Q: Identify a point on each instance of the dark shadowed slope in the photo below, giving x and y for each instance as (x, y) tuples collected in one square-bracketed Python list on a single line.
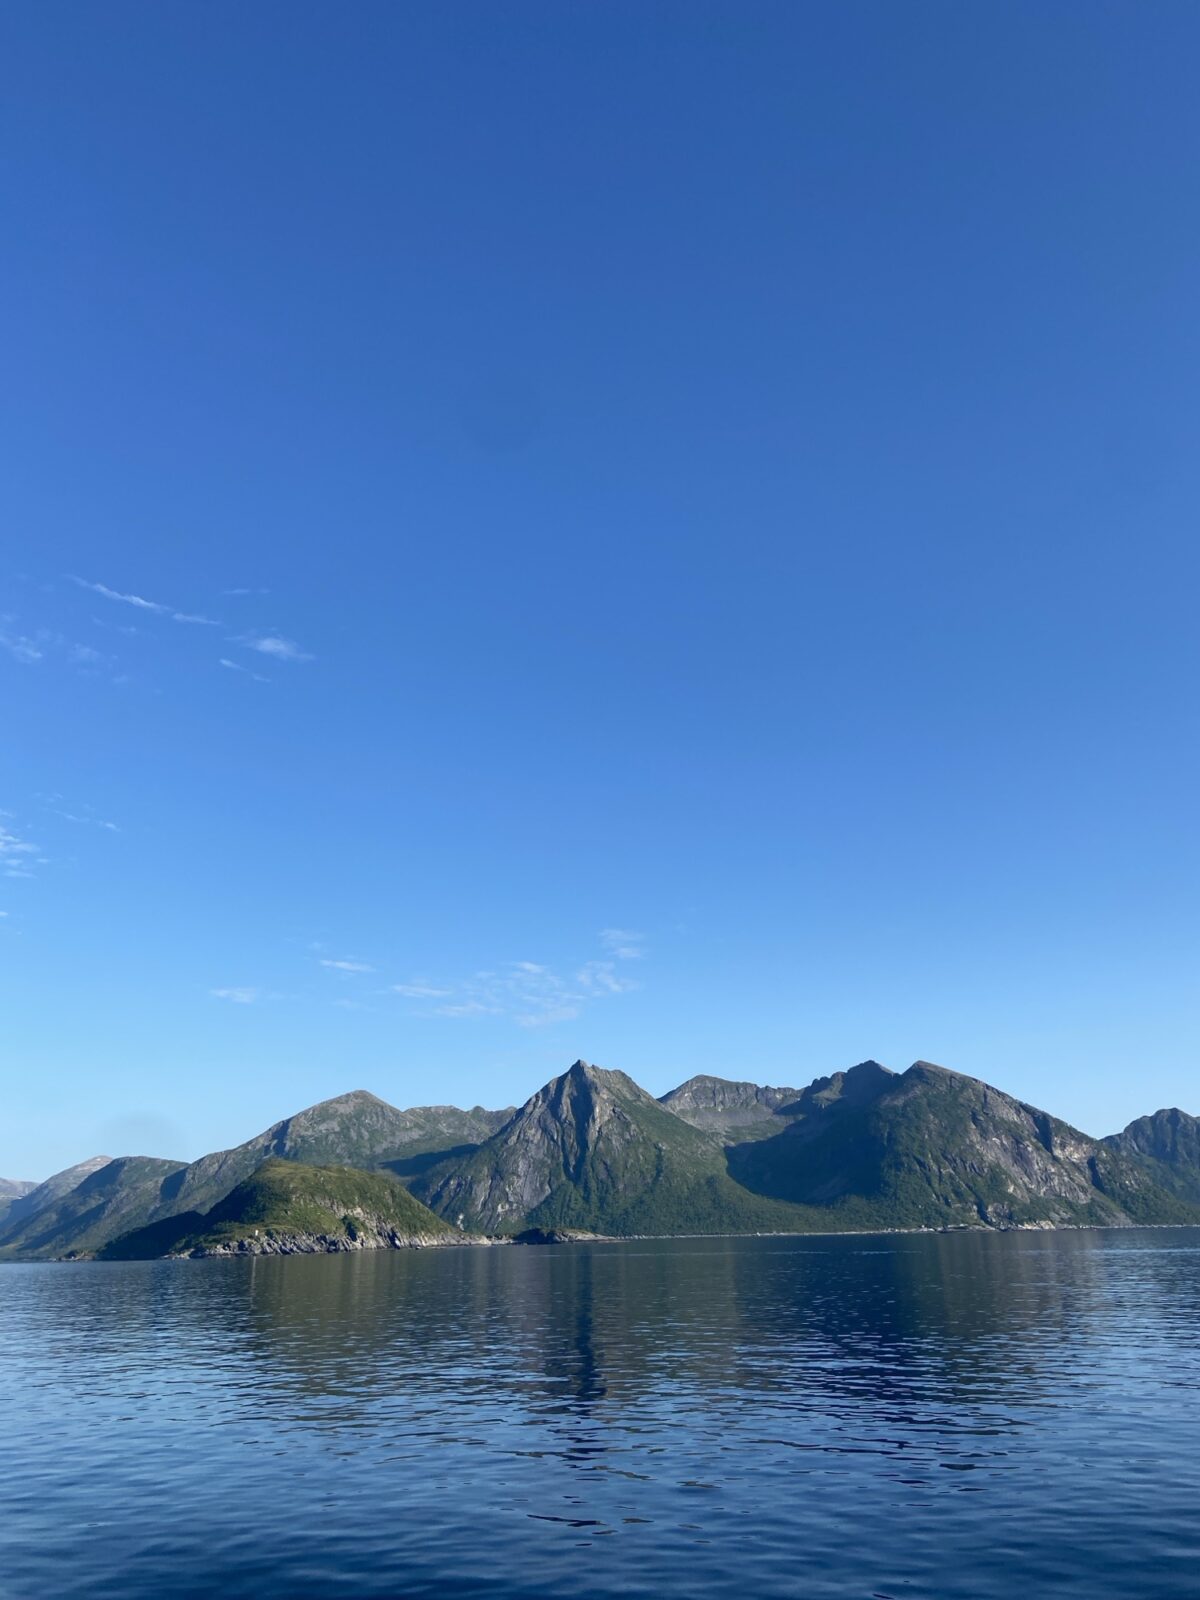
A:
[(1167, 1146), (933, 1147), (41, 1195), (592, 1150), (733, 1109), (115, 1196), (12, 1189), (738, 1111)]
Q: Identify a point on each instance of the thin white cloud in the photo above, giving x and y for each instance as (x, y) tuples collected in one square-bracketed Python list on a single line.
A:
[(142, 604), (115, 594), (530, 993), (273, 644), (241, 995), (623, 943), (44, 643), (19, 646), (602, 977), (236, 666), (17, 855), (346, 966), (91, 822)]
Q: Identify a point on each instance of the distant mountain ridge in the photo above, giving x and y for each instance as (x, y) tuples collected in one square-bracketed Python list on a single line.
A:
[(1168, 1145), (591, 1151), (112, 1198)]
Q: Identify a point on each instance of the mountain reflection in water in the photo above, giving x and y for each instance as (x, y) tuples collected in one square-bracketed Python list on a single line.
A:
[(949, 1416)]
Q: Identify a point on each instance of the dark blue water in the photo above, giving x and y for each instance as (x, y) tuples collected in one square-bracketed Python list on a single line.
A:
[(935, 1416)]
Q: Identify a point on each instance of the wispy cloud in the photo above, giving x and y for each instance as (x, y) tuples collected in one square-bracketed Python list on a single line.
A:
[(346, 966), (529, 993), (602, 977), (115, 594), (142, 604), (236, 666), (239, 995), (273, 644), (19, 645), (91, 822), (623, 943), (43, 643), (17, 855)]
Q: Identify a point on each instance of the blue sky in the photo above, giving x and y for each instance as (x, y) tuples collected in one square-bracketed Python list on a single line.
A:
[(660, 533)]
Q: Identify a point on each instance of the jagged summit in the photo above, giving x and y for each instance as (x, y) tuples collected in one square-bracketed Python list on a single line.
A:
[(590, 1148)]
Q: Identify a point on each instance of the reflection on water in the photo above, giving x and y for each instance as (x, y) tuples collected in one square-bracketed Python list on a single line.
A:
[(944, 1416)]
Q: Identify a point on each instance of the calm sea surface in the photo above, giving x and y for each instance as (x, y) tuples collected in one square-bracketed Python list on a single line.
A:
[(935, 1416)]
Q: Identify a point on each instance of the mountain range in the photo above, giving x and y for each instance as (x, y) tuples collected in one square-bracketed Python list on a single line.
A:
[(863, 1149)]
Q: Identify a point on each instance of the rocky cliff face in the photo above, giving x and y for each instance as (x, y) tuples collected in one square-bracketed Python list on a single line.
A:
[(719, 1105), (1167, 1146), (593, 1150)]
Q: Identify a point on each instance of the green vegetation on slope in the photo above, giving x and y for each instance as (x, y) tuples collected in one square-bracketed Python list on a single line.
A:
[(936, 1148), (594, 1151), (1167, 1146), (114, 1197), (285, 1202)]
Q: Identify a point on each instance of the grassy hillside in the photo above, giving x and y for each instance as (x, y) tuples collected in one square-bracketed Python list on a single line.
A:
[(287, 1207)]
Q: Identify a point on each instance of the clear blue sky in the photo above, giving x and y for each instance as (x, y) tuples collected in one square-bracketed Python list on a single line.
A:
[(696, 511)]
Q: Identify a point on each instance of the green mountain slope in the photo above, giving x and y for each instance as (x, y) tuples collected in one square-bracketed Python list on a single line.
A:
[(289, 1208), (1166, 1146), (357, 1129), (354, 1130), (41, 1195), (113, 1197), (592, 1150), (932, 1147)]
